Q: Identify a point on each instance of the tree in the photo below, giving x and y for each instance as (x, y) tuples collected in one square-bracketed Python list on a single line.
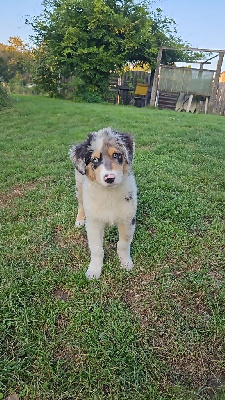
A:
[(90, 38), (15, 58)]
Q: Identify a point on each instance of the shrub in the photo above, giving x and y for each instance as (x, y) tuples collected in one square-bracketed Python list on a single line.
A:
[(75, 89), (5, 99), (19, 84)]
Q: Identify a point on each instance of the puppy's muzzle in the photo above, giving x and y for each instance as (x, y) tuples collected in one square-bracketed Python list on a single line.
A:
[(109, 178)]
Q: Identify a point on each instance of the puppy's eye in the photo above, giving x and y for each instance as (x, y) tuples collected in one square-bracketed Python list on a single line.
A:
[(95, 160), (118, 157)]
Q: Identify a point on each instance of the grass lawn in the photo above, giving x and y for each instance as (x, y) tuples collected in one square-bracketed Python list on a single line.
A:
[(156, 333)]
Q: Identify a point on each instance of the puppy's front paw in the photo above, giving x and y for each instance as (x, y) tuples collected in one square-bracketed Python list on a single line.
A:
[(93, 273), (128, 264), (79, 224)]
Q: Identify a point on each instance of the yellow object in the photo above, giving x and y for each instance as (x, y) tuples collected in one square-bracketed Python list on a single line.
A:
[(222, 76), (141, 89)]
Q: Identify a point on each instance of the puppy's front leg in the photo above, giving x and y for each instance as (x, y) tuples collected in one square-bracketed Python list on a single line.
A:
[(79, 194), (95, 231), (126, 233)]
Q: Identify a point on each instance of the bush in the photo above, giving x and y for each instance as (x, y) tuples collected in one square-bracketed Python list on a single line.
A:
[(5, 99), (75, 89), (20, 85), (90, 96)]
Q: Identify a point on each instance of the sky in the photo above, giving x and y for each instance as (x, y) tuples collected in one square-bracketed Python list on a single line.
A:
[(199, 22)]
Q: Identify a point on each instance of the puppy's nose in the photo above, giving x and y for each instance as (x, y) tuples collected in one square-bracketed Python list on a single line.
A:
[(109, 178)]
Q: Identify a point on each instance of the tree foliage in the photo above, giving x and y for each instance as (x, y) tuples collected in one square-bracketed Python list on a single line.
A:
[(5, 99), (15, 58), (90, 38)]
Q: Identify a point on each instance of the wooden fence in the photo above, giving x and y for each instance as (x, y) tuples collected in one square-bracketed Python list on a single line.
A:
[(125, 85), (122, 87), (219, 107)]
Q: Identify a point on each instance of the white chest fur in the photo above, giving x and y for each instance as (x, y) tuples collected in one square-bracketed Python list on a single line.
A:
[(110, 204)]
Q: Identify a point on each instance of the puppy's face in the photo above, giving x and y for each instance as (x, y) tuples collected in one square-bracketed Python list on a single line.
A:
[(107, 165), (104, 157)]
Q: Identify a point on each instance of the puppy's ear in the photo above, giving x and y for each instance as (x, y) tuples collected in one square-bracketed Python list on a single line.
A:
[(129, 146), (80, 154)]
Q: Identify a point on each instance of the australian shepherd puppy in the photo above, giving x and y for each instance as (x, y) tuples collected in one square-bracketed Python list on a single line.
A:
[(106, 193)]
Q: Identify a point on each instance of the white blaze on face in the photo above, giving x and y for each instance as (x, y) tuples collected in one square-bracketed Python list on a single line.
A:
[(98, 144)]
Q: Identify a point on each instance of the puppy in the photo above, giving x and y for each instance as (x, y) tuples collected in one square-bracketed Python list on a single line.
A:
[(106, 193)]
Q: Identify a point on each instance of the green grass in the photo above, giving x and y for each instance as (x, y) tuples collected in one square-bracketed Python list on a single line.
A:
[(156, 333)]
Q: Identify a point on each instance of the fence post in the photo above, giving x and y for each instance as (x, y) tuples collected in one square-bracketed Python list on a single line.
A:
[(155, 81), (215, 84)]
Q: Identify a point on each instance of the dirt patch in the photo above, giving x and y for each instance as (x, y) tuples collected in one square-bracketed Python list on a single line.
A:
[(175, 323), (14, 192), (65, 238), (217, 277), (69, 356), (13, 397), (18, 191), (213, 387), (61, 294), (138, 295)]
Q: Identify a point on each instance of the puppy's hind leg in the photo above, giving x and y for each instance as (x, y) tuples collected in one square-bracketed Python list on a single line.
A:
[(79, 194), (95, 232), (126, 233)]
